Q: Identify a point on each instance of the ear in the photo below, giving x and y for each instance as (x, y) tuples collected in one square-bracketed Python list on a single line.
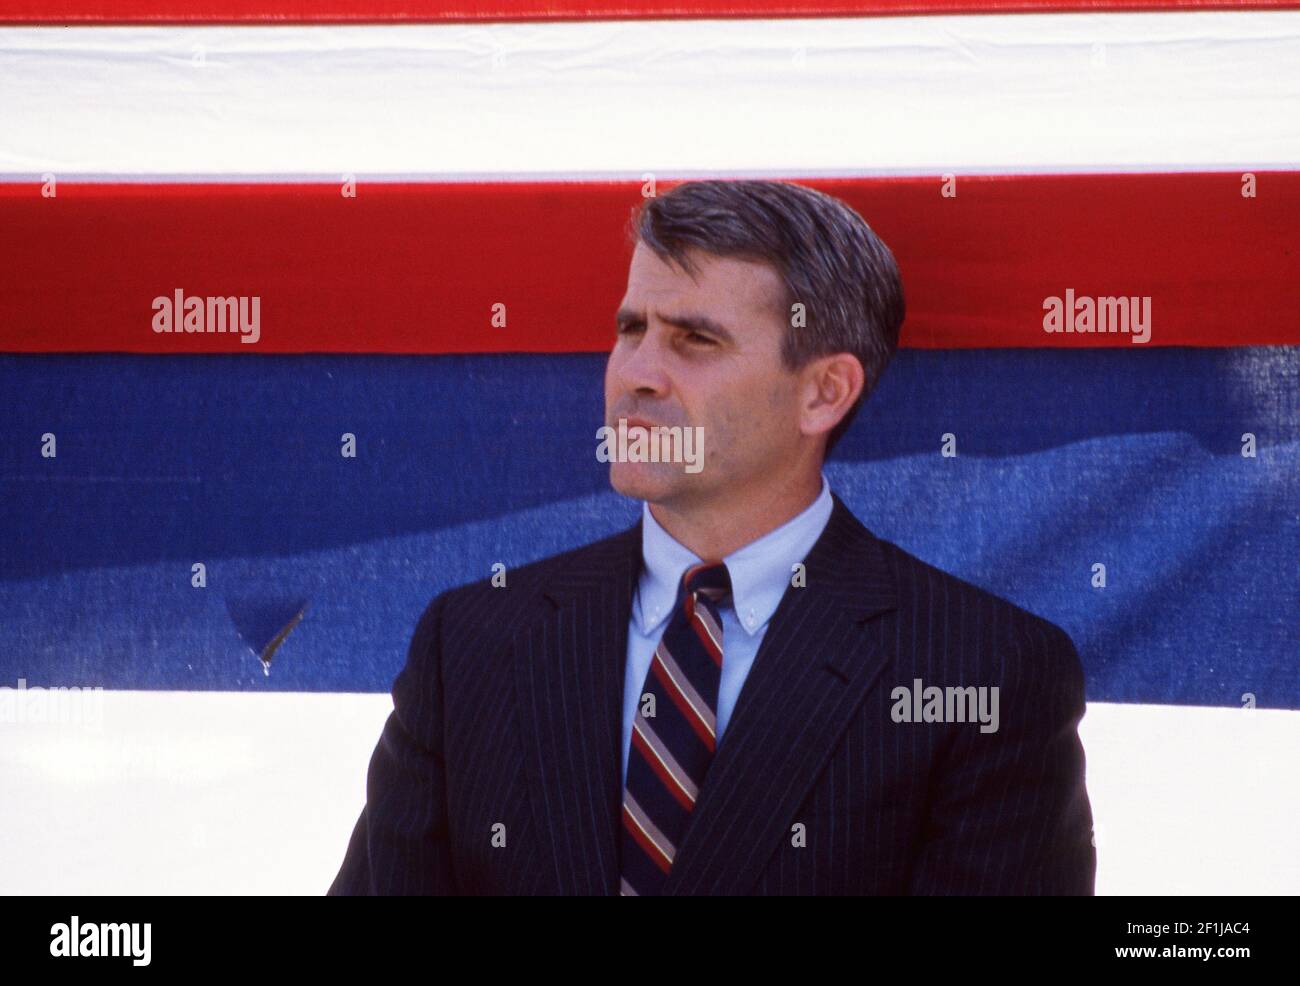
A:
[(829, 387)]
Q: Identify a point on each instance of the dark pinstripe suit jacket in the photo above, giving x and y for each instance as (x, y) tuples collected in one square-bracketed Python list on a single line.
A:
[(498, 772)]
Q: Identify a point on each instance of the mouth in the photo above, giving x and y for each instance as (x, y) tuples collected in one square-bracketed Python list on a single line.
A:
[(638, 423)]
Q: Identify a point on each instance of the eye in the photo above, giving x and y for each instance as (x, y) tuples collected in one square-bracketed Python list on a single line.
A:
[(702, 339)]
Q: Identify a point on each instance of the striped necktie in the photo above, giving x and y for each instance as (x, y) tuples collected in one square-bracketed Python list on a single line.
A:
[(674, 733)]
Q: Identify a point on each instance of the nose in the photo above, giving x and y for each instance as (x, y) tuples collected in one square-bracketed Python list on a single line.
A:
[(641, 366)]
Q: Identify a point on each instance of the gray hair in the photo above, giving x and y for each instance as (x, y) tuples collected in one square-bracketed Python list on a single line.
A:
[(827, 256)]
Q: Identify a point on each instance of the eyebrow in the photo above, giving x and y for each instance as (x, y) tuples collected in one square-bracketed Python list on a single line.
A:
[(692, 323)]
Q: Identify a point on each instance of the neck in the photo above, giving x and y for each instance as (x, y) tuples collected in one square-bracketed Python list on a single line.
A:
[(732, 520)]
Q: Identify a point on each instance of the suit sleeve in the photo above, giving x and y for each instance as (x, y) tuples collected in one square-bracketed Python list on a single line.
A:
[(1008, 811), (399, 844)]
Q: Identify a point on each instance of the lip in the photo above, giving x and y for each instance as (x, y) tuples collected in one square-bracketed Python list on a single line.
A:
[(639, 423)]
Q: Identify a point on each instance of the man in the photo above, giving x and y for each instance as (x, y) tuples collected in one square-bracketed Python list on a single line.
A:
[(747, 692)]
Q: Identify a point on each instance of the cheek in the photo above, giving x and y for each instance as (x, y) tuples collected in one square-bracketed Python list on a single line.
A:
[(778, 398), (731, 416), (760, 415), (735, 409)]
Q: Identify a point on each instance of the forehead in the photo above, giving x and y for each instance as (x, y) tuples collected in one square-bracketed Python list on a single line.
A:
[(748, 288)]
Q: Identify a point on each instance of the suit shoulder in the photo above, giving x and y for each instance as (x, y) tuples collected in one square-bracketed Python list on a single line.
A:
[(486, 615), (533, 576), (964, 607)]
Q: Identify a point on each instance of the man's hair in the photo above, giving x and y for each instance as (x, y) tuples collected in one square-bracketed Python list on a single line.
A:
[(827, 256)]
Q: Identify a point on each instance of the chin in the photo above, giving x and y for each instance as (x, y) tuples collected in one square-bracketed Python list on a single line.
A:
[(649, 481)]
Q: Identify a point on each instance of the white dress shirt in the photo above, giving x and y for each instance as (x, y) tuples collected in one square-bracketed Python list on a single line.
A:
[(760, 574)]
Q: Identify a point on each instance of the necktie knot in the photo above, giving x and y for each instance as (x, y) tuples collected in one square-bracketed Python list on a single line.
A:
[(709, 578)]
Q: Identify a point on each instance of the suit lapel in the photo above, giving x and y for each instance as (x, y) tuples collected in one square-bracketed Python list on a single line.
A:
[(569, 674), (814, 666)]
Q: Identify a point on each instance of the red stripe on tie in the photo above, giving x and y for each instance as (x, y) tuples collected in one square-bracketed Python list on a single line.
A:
[(648, 847)]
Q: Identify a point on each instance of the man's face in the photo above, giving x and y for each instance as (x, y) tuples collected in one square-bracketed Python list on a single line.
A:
[(703, 351)]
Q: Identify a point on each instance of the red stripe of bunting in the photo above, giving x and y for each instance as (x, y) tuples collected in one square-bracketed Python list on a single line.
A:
[(423, 267), (361, 11)]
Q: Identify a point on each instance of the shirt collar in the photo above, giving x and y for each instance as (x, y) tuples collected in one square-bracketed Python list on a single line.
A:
[(760, 571)]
